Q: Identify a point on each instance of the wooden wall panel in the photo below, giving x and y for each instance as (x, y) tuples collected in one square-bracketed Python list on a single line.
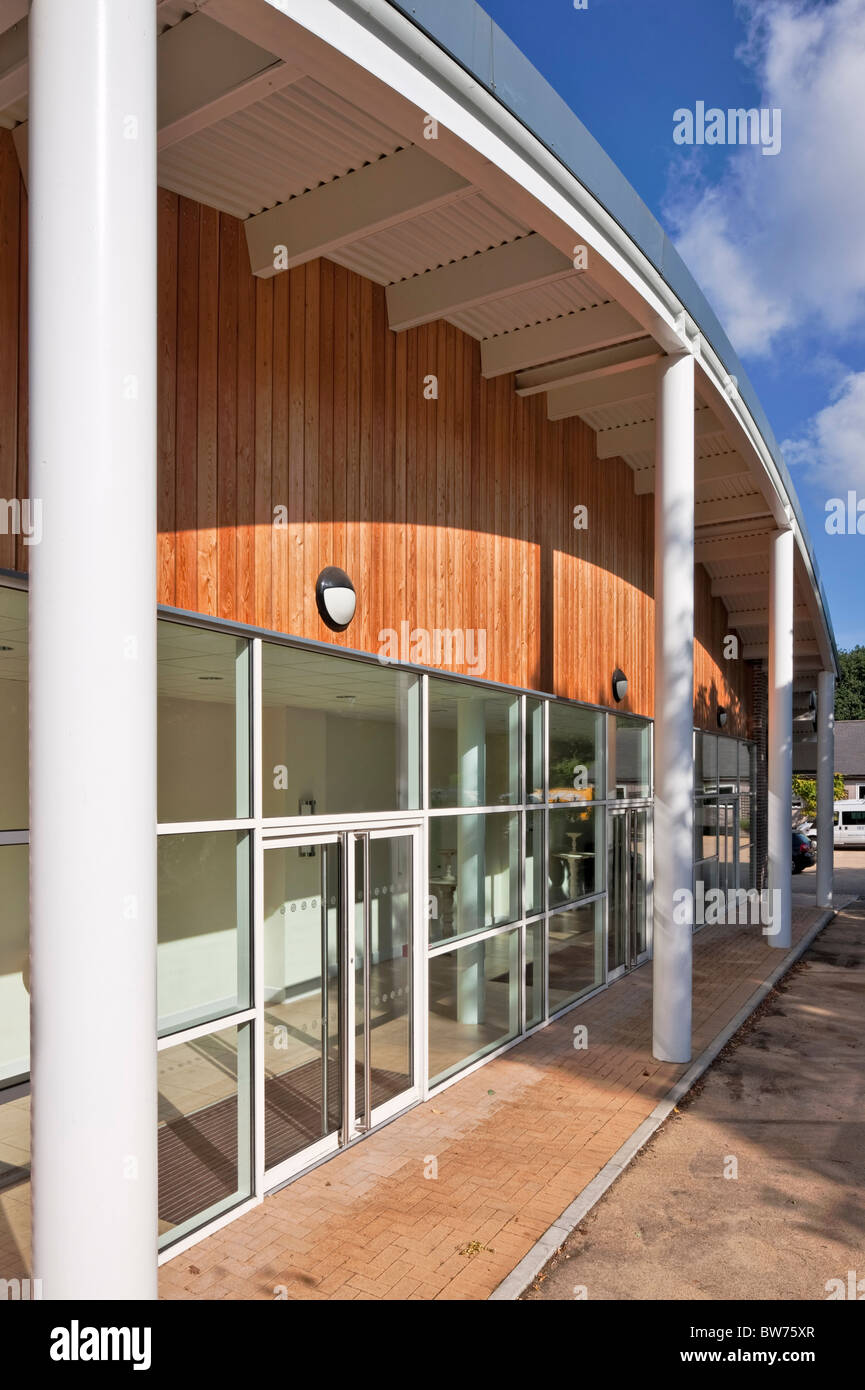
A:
[(290, 398), (717, 681)]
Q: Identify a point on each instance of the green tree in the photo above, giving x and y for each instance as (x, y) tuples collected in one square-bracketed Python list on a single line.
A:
[(806, 789), (850, 694)]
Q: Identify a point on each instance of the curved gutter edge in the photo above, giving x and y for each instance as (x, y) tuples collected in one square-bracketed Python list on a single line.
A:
[(466, 33)]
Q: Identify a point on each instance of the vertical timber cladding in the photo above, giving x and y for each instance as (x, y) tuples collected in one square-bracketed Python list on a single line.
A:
[(291, 398), (719, 680), (453, 511)]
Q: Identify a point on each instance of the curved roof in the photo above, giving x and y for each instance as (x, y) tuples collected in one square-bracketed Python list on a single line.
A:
[(307, 119), (467, 33)]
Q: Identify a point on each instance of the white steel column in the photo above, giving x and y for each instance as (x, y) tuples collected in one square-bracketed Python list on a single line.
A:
[(825, 786), (780, 814), (92, 642), (674, 708)]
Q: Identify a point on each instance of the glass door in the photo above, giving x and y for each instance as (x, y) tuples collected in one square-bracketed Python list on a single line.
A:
[(339, 1039), (728, 824), (384, 1070), (627, 932), (303, 971), (618, 895)]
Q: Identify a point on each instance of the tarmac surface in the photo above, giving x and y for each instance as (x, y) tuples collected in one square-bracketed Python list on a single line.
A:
[(753, 1189)]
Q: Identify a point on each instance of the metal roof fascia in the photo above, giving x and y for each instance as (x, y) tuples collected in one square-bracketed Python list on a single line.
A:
[(467, 33)]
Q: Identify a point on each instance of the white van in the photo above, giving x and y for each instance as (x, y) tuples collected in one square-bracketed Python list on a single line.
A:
[(849, 824)]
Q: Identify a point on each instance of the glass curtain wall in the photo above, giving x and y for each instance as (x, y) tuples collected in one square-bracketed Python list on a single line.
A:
[(512, 791), (204, 954), (723, 790), (14, 917)]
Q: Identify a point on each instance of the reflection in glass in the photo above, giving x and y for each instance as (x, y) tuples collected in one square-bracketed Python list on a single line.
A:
[(746, 866), (618, 911), (14, 727), (474, 745), (342, 734), (390, 972), (474, 873), (302, 1077), (727, 840), (535, 860), (576, 759), (639, 878), (746, 758), (534, 750), (705, 762), (705, 828), (575, 856), (576, 953), (728, 764), (474, 1007), (628, 771), (203, 724), (705, 881), (203, 950), (14, 964), (204, 1129), (14, 1176), (534, 973)]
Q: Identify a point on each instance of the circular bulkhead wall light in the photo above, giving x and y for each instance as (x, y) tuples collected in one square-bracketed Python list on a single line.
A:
[(335, 598), (620, 685)]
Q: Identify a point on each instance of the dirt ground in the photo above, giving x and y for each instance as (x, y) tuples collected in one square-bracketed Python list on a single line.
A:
[(755, 1188)]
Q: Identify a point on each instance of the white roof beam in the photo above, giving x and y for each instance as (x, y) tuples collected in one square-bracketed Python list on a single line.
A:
[(733, 545), (606, 390), (11, 11), (706, 470), (749, 508), (586, 330), (14, 69), (759, 617), (273, 79), (520, 265), (206, 72), (623, 359), (377, 196), (816, 615), (740, 584), (803, 650), (628, 439)]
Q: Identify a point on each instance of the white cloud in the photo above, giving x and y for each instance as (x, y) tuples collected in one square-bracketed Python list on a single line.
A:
[(833, 445), (777, 243)]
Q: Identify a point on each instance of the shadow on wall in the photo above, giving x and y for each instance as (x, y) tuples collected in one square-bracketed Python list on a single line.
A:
[(296, 431), (708, 700)]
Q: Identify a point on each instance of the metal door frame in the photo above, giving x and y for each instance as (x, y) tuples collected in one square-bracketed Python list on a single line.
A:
[(362, 830), (731, 803), (628, 814)]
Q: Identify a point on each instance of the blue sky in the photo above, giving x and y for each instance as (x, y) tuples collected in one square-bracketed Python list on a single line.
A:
[(777, 243)]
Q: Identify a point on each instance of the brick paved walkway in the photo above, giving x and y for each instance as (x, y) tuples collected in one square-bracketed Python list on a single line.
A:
[(513, 1144)]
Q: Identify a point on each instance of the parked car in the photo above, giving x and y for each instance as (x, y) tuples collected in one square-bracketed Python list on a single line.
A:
[(803, 852)]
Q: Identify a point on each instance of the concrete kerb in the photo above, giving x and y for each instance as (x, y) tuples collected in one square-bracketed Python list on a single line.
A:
[(555, 1235)]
